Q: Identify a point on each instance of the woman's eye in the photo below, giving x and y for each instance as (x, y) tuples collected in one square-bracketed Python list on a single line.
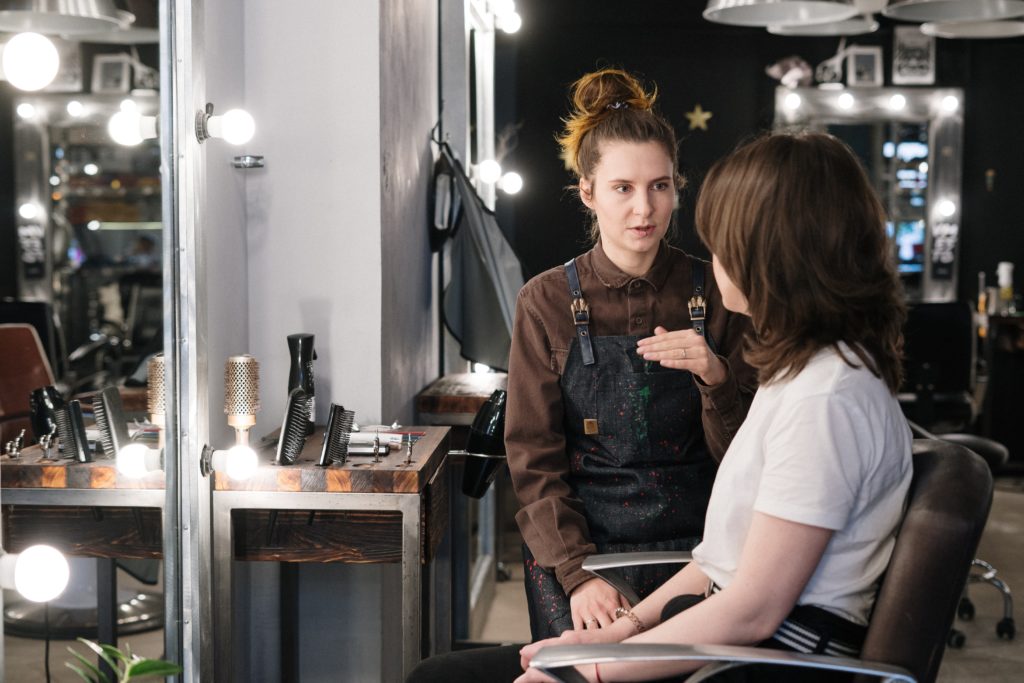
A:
[(622, 189), (661, 186)]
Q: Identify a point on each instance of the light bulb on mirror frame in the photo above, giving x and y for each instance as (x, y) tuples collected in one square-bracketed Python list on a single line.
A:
[(240, 462), (27, 111), (129, 128), (30, 61), (39, 573), (509, 23), (235, 126), (488, 171), (511, 183), (137, 460), (29, 211)]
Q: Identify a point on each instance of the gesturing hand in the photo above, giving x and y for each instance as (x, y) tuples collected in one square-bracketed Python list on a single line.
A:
[(683, 350)]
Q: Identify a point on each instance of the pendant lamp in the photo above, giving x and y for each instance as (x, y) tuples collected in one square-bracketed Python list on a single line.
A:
[(60, 16), (778, 12), (974, 29), (954, 10), (850, 27)]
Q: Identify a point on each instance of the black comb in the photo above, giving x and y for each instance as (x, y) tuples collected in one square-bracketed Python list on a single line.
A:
[(336, 436), (293, 429), (108, 412), (73, 440)]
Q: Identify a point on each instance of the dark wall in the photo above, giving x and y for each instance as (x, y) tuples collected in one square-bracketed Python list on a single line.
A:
[(722, 69)]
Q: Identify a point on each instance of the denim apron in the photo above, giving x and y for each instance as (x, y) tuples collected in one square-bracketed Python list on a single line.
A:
[(638, 461)]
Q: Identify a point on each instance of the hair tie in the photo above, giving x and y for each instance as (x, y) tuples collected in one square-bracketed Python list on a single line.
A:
[(619, 105)]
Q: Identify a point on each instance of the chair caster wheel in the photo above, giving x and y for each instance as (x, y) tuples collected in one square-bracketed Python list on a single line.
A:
[(1006, 629), (956, 639), (965, 610)]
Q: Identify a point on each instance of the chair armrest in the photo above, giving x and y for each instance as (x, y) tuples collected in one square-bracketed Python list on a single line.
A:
[(605, 566), (559, 661)]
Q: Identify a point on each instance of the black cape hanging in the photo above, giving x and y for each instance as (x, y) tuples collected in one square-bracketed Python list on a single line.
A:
[(480, 300)]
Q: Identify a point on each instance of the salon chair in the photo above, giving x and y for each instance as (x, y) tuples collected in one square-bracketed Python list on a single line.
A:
[(40, 315), (24, 366), (948, 503)]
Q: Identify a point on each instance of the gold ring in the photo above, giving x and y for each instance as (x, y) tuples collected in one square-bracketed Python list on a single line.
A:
[(684, 353), (588, 622)]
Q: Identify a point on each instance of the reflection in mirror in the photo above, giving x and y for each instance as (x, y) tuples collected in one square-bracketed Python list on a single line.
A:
[(909, 141), (81, 313)]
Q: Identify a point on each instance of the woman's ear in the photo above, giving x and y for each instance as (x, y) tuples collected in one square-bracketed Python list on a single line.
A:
[(587, 193)]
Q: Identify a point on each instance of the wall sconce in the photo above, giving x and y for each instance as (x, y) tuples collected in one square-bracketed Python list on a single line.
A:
[(40, 573), (30, 61), (235, 126)]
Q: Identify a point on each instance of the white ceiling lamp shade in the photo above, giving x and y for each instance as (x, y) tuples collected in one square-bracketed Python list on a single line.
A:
[(855, 26), (974, 29), (63, 17), (954, 10), (138, 26), (766, 13)]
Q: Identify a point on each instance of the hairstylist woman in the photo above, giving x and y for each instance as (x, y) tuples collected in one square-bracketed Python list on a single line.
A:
[(626, 376)]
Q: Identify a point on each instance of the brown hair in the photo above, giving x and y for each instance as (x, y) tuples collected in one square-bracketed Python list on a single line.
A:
[(612, 105), (796, 225)]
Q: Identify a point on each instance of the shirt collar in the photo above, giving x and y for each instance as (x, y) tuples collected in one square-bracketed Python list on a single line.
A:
[(611, 275)]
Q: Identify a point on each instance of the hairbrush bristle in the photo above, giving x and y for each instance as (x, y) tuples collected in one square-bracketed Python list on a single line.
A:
[(108, 413), (336, 436), (293, 429)]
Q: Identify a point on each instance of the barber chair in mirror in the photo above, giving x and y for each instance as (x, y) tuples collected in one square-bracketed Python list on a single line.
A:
[(947, 506)]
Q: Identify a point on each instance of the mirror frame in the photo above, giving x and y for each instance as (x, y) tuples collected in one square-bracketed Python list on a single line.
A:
[(819, 107)]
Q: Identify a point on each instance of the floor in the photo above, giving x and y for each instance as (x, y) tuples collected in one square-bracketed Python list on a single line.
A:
[(984, 658)]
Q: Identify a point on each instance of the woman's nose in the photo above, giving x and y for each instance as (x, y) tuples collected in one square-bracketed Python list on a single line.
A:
[(642, 206)]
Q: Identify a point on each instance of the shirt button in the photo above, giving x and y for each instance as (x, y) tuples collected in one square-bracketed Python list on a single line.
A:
[(638, 320)]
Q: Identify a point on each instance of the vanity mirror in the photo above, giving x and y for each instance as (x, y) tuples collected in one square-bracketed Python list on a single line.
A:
[(909, 140)]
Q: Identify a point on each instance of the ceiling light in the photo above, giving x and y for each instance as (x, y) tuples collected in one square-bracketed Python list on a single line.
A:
[(954, 10), (897, 102), (61, 17), (974, 29), (778, 12), (851, 27)]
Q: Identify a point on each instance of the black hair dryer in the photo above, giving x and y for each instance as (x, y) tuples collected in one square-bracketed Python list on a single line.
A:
[(485, 447), (300, 373), (44, 403)]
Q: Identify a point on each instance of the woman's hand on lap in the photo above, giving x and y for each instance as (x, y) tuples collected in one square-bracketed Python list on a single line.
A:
[(593, 604)]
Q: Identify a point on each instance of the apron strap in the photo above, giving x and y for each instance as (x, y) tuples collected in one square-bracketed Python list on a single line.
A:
[(698, 303), (580, 312)]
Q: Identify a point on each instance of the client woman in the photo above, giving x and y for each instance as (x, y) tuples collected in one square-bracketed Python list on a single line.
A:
[(806, 503)]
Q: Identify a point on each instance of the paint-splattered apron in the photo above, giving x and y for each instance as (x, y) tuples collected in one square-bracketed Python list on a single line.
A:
[(638, 460)]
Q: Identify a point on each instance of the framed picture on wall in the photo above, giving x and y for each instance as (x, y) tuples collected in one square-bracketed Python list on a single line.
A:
[(913, 57), (864, 66), (111, 73)]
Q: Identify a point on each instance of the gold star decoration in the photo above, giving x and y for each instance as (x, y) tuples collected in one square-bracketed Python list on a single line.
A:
[(698, 118)]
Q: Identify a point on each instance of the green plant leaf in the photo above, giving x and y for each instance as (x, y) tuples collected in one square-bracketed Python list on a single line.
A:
[(109, 654), (152, 667), (95, 675)]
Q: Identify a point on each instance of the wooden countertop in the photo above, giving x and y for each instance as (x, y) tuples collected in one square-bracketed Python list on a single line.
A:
[(360, 474), (32, 471), (454, 399)]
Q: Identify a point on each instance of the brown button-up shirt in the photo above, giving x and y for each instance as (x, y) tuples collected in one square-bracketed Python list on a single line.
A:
[(550, 518)]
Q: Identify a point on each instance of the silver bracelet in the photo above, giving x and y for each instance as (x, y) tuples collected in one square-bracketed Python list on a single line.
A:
[(628, 613)]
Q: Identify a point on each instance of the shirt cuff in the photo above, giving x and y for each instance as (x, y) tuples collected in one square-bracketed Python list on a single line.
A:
[(571, 575), (721, 397)]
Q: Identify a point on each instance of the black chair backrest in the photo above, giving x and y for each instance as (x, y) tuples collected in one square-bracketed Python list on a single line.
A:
[(38, 314), (949, 501)]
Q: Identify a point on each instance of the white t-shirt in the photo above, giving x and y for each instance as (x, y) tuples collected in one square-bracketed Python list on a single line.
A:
[(828, 448)]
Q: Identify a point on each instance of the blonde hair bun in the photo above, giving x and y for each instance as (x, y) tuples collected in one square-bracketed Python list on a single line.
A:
[(596, 93)]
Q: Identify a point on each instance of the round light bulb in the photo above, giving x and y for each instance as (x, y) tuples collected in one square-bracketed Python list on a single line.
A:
[(950, 104), (946, 208), (94, 225), (30, 61), (90, 169), (26, 110), (242, 462), (846, 101), (41, 573), (75, 108), (237, 127), (131, 460), (923, 167), (511, 182), (28, 211), (510, 23), (897, 102), (124, 128), (792, 101), (489, 171), (128, 105)]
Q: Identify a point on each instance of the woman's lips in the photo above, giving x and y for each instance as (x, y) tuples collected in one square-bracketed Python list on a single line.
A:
[(642, 231)]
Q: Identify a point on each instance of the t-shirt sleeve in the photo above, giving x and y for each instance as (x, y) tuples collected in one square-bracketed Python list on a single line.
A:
[(814, 462)]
